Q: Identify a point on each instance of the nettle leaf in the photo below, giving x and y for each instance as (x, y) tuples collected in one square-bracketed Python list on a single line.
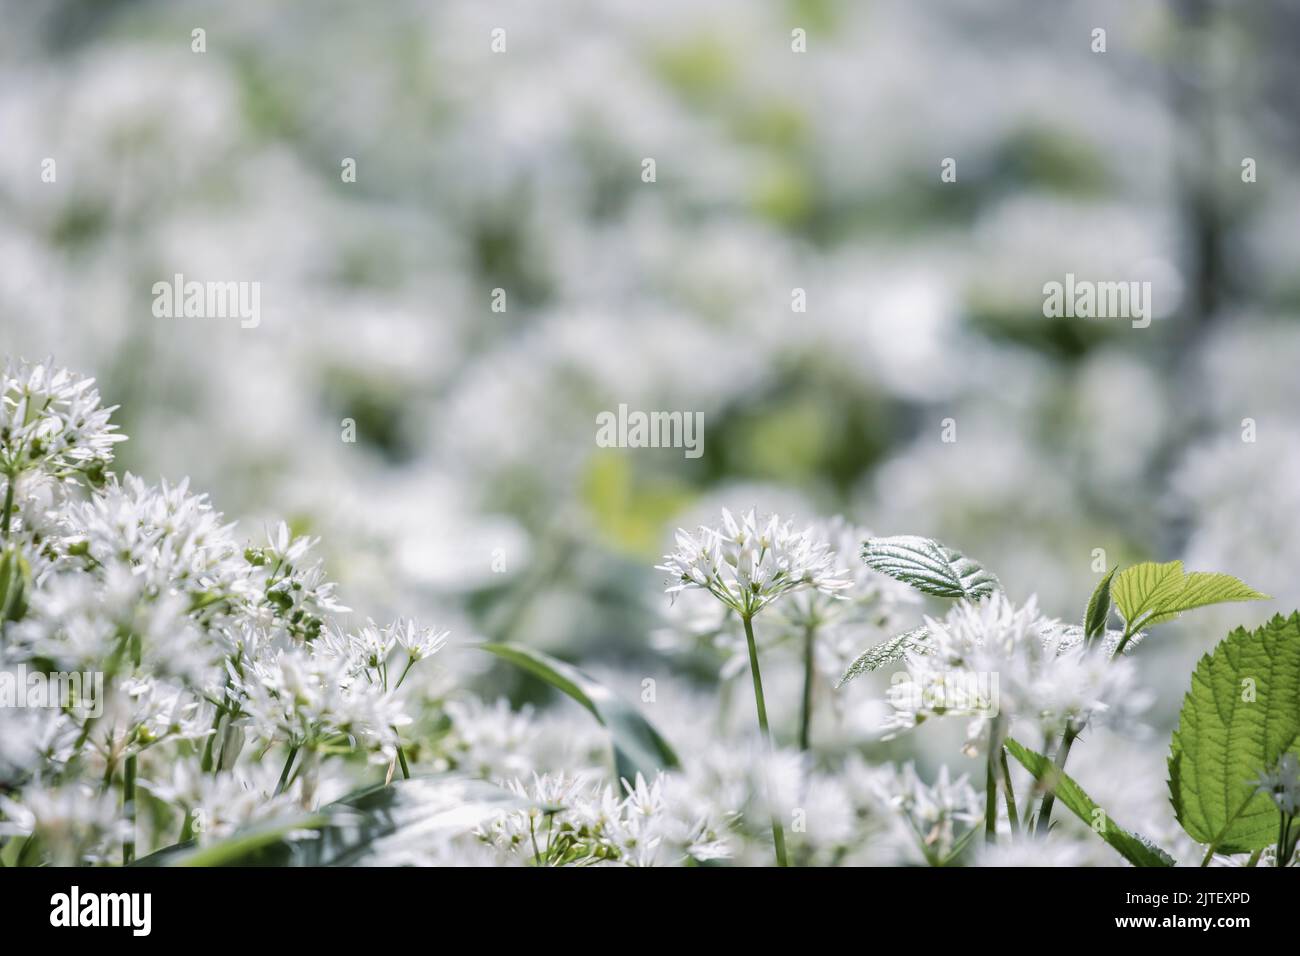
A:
[(1240, 716), (930, 567), (1150, 593), (638, 747), (886, 652), (1098, 612), (1133, 848)]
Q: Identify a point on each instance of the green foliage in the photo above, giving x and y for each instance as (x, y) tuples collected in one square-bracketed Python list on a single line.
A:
[(343, 832), (1094, 619), (930, 567), (1240, 716), (1149, 593), (638, 747), (1133, 848), (15, 582)]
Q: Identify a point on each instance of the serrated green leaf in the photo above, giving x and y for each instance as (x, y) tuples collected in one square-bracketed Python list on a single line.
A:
[(886, 652), (346, 831), (1094, 619), (1240, 716), (930, 567), (638, 747), (1150, 593), (1133, 848)]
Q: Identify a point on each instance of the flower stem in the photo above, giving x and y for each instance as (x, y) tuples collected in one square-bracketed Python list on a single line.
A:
[(401, 756), (284, 774), (1009, 791), (128, 808), (1283, 839), (778, 834), (991, 784), (805, 711), (1049, 798), (9, 507)]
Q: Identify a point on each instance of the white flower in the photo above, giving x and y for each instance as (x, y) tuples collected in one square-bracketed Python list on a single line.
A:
[(51, 421), (418, 642), (992, 659), (938, 815), (1282, 784), (749, 564)]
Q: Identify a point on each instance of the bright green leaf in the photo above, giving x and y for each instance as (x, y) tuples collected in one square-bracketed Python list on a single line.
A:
[(637, 745), (1150, 593), (1133, 848), (929, 567), (1240, 716), (1094, 619)]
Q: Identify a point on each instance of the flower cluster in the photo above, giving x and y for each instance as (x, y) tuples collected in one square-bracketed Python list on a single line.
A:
[(196, 656), (750, 563), (991, 660)]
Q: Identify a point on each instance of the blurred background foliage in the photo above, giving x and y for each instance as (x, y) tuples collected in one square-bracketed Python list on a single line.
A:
[(475, 493)]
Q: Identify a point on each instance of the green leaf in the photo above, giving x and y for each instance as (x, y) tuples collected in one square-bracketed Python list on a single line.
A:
[(886, 652), (929, 567), (15, 582), (638, 747), (344, 832), (1094, 619), (1133, 848), (1150, 593), (1240, 716)]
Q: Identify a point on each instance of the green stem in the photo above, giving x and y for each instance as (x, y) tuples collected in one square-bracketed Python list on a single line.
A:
[(778, 834), (1049, 798), (805, 711), (1283, 832), (401, 758), (284, 774), (128, 808), (1123, 641), (1009, 791), (9, 507), (991, 785)]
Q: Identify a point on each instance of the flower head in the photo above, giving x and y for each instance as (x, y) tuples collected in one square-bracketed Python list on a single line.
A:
[(51, 421), (1282, 784), (992, 659), (748, 564)]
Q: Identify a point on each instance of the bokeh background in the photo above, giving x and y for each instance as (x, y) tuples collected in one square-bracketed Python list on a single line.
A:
[(476, 496)]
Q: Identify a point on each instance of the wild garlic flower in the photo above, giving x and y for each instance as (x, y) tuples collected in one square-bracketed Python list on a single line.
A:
[(991, 659), (51, 422), (306, 699), (936, 815), (1282, 784), (750, 563), (75, 823), (580, 821)]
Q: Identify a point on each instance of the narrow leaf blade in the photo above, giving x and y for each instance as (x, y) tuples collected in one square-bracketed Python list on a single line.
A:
[(638, 747), (1130, 846), (1094, 619)]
